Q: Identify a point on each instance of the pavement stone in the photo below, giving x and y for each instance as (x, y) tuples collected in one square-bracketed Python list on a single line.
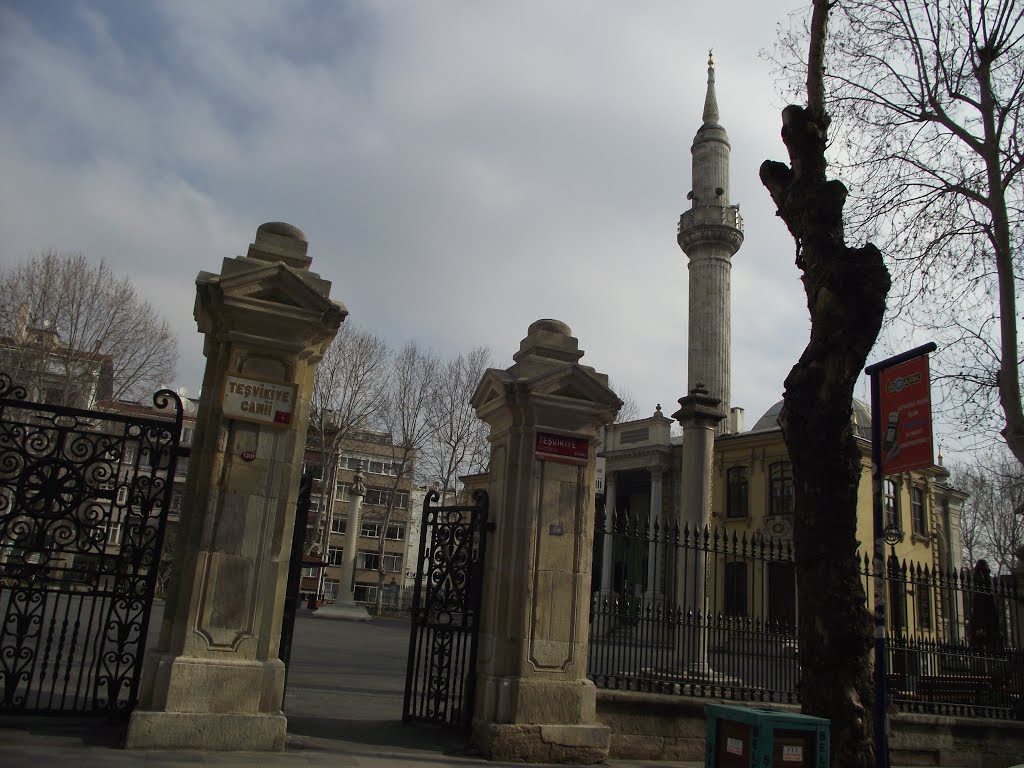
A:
[(346, 682)]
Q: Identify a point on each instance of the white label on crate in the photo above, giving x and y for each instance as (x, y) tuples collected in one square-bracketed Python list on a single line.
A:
[(734, 746), (792, 754)]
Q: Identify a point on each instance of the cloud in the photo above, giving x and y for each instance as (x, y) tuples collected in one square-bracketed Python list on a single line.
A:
[(460, 169)]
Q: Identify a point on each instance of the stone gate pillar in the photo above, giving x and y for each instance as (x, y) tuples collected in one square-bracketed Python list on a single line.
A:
[(534, 702), (214, 681)]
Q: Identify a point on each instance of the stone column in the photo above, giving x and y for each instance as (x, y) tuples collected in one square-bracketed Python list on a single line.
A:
[(534, 702), (699, 416), (345, 606), (607, 546), (213, 680), (654, 516)]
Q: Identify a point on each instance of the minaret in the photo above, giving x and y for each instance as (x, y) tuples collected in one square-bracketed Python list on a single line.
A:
[(710, 233)]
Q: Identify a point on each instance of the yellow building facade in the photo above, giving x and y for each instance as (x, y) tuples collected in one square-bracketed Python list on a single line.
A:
[(747, 555)]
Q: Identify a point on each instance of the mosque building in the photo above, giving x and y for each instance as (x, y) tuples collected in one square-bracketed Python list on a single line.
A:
[(717, 473)]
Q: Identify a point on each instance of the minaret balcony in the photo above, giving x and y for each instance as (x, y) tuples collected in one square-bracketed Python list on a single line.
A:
[(714, 224)]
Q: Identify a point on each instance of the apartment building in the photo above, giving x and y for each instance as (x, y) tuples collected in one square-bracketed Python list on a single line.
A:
[(385, 527)]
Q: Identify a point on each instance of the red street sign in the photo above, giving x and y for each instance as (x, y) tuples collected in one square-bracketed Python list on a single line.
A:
[(561, 447), (906, 403)]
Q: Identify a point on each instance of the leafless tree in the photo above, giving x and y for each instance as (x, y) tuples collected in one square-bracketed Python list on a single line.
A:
[(413, 385), (458, 439), (992, 517), (350, 395), (629, 410), (928, 98), (67, 323), (846, 289)]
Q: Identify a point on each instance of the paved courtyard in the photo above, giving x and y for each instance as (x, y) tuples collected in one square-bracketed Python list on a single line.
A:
[(344, 705)]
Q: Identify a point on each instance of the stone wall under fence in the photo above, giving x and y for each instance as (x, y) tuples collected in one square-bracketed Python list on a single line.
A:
[(651, 726)]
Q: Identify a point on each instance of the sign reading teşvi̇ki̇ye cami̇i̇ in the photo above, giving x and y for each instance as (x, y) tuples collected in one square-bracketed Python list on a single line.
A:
[(261, 401)]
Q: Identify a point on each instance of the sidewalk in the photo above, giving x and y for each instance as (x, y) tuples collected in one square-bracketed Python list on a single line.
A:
[(41, 744)]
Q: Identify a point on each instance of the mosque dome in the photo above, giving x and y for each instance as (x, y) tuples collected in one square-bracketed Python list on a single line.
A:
[(861, 419)]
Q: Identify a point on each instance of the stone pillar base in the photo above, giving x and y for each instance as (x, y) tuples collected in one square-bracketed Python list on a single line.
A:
[(206, 731), (343, 611), (516, 743)]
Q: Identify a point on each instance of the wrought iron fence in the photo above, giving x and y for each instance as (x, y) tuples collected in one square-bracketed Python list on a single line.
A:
[(84, 497), (953, 639), (713, 613), (699, 613)]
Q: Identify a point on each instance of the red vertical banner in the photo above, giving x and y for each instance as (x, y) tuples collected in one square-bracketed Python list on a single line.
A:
[(906, 413)]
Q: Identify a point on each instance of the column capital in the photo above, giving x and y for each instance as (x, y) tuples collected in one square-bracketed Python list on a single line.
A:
[(699, 409)]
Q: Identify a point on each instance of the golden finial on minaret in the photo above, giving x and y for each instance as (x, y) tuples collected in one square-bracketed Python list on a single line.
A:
[(711, 58)]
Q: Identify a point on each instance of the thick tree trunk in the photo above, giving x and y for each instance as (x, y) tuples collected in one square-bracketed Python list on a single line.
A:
[(846, 290)]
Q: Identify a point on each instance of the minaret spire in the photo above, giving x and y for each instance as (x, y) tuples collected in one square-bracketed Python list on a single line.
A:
[(711, 100), (710, 233)]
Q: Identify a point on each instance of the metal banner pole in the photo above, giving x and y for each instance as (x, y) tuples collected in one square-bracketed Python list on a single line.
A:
[(881, 708)]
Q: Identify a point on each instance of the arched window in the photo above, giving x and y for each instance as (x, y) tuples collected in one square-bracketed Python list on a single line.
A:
[(780, 488)]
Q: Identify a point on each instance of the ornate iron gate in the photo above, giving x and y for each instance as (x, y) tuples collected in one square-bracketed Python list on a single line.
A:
[(84, 497), (440, 677)]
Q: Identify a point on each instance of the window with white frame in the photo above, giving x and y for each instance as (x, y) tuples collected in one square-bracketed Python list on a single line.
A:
[(367, 560), (373, 465), (176, 499), (186, 435), (309, 572), (339, 523), (122, 495), (370, 530), (334, 555), (395, 532), (378, 497), (365, 593), (114, 533), (343, 492), (181, 466), (392, 563), (330, 589)]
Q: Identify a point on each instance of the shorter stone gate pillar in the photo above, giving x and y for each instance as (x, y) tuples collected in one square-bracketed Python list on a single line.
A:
[(214, 680), (533, 701)]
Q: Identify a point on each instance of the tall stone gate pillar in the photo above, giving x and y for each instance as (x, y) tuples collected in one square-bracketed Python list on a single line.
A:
[(534, 702), (214, 680)]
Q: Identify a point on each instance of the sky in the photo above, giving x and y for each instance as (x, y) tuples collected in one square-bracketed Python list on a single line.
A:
[(460, 169)]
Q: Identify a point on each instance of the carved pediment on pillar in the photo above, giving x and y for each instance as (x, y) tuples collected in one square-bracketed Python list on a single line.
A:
[(575, 381), (277, 283)]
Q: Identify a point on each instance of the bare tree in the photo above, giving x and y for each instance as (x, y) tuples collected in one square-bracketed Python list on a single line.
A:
[(928, 98), (349, 397), (629, 410), (458, 440), (992, 517), (413, 384), (73, 332), (846, 290)]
